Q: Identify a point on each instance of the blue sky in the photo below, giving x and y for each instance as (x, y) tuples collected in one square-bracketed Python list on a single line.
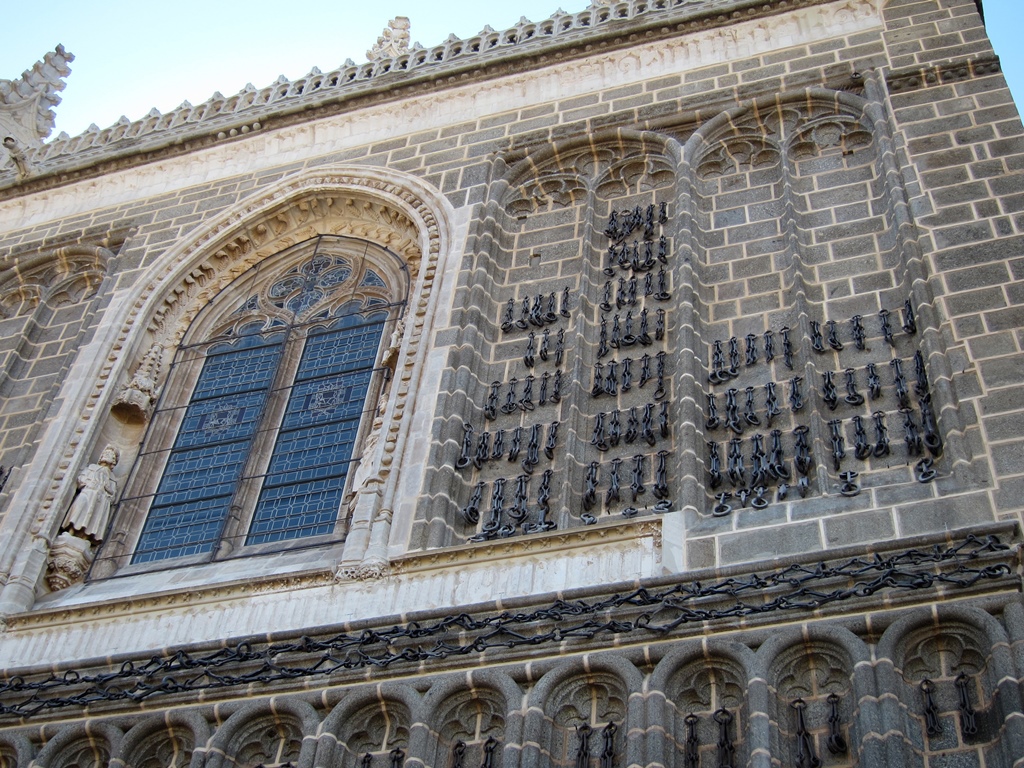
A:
[(131, 56)]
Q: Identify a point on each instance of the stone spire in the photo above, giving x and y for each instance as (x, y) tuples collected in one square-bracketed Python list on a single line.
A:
[(393, 41)]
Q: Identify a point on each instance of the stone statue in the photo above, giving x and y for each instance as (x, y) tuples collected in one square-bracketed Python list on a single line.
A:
[(74, 549), (18, 156), (390, 357), (90, 511)]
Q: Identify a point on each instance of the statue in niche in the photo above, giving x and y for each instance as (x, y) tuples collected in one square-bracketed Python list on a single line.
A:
[(84, 525), (90, 511), (134, 403)]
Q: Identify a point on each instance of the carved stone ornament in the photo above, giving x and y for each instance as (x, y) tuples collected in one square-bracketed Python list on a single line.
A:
[(90, 511), (70, 558), (17, 154), (134, 403), (26, 104), (393, 41)]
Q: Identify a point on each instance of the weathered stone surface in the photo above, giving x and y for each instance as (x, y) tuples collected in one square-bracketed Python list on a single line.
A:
[(626, 231)]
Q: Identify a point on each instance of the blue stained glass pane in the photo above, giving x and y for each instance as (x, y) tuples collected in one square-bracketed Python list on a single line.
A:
[(240, 370), (302, 491), (315, 452), (295, 511), (372, 278), (333, 398), (209, 453), (203, 472), (219, 420), (336, 351), (181, 530)]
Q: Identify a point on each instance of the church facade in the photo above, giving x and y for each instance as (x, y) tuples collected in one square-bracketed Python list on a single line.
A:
[(636, 387)]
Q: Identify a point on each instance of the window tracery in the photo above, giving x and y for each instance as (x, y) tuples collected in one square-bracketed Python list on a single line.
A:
[(255, 438)]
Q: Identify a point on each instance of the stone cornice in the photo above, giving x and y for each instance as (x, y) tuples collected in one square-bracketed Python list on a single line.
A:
[(413, 562), (455, 62)]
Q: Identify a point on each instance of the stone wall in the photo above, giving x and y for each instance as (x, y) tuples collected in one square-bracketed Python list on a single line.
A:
[(728, 293)]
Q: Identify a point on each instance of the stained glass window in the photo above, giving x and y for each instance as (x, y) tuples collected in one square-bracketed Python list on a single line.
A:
[(274, 416)]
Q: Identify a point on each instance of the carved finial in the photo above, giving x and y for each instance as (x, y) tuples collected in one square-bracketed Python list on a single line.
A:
[(26, 103), (393, 41)]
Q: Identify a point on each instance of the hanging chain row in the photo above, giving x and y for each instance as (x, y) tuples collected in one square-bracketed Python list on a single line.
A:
[(661, 612)]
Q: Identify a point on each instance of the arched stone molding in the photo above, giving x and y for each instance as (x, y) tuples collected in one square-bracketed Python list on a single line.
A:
[(609, 163), (700, 678), (16, 750), (938, 644), (147, 743), (591, 691), (274, 732), (470, 708), (84, 745), (413, 219), (55, 276), (810, 663), (376, 719)]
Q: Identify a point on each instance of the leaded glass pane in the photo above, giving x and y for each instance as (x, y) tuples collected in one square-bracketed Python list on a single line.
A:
[(184, 529), (209, 453), (313, 416), (295, 511), (304, 484)]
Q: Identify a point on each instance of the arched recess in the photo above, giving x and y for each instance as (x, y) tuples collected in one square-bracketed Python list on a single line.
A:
[(279, 732), (83, 745), (815, 693), (167, 741), (538, 238), (45, 305), (16, 750), (585, 706), (701, 695), (800, 218), (473, 709), (959, 654), (370, 722), (391, 209)]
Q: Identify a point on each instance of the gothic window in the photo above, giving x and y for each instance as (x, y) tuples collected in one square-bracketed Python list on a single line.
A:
[(259, 424)]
